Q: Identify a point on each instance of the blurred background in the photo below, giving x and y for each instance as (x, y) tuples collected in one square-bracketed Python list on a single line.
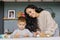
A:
[(11, 24)]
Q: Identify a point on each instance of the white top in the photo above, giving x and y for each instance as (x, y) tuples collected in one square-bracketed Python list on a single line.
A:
[(46, 23), (21, 32)]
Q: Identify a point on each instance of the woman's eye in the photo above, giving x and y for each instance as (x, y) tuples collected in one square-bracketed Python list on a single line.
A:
[(29, 11)]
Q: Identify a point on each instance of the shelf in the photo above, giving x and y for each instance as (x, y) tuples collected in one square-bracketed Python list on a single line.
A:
[(15, 0), (21, 0), (48, 0), (57, 0), (5, 18), (31, 0), (35, 0), (8, 0)]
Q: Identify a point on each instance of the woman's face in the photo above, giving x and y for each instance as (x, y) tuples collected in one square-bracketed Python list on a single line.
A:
[(31, 12)]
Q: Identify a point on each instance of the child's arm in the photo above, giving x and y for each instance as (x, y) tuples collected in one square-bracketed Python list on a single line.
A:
[(13, 34), (29, 34)]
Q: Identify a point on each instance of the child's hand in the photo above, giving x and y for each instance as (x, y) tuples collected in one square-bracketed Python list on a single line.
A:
[(6, 36), (26, 35), (17, 35)]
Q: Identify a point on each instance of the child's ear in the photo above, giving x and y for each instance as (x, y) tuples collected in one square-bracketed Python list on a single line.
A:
[(25, 24)]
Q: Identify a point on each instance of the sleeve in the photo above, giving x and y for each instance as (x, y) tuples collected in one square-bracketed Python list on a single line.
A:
[(12, 35), (51, 24), (29, 33)]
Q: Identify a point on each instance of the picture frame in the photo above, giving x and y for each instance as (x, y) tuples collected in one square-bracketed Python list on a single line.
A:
[(11, 14)]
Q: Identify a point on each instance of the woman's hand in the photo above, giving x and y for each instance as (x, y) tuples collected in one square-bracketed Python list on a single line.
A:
[(42, 34), (37, 34), (17, 35)]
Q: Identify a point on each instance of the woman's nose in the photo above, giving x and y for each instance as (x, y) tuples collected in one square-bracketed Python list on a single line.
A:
[(31, 14)]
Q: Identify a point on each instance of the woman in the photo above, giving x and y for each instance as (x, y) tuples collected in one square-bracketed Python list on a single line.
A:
[(38, 18)]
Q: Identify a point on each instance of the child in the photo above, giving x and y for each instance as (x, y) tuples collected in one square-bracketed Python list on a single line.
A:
[(21, 31)]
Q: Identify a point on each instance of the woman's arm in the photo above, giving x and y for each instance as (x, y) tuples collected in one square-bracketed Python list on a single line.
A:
[(51, 24)]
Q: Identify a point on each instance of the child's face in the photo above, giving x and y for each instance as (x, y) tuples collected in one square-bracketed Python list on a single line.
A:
[(21, 25)]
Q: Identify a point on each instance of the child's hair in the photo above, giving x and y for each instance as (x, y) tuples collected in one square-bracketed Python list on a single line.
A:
[(22, 19), (21, 16)]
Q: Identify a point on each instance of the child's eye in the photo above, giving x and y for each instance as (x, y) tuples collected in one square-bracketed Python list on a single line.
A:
[(19, 24)]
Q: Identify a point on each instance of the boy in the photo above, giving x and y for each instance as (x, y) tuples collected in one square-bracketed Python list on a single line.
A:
[(21, 31)]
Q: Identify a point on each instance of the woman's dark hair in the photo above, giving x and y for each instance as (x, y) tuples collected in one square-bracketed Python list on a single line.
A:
[(32, 24), (38, 10)]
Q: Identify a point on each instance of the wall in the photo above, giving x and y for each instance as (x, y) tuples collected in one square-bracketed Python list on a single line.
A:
[(12, 24), (1, 16)]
